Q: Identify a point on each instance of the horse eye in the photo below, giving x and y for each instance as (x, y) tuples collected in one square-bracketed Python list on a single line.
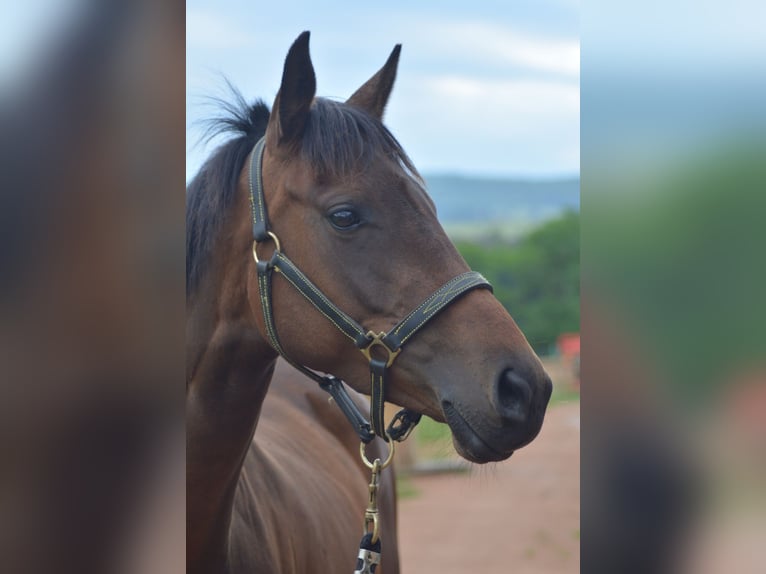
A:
[(344, 219)]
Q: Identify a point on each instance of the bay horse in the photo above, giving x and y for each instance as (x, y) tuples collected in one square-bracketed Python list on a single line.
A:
[(348, 207)]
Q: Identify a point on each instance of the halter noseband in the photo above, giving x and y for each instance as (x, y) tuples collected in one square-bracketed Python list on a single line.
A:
[(390, 342)]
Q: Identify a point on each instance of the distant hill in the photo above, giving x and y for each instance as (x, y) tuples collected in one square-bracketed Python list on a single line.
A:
[(463, 199), (470, 207)]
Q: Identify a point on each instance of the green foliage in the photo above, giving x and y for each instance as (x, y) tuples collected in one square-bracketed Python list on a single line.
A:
[(679, 252), (430, 431), (537, 279)]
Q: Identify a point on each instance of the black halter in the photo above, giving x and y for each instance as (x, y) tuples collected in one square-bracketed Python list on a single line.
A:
[(391, 342)]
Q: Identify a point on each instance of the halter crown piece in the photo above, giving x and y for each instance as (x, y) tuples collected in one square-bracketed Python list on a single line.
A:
[(390, 343)]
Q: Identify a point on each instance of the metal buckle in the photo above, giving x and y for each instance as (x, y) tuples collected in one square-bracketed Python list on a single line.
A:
[(378, 340), (406, 426), (367, 561), (277, 246)]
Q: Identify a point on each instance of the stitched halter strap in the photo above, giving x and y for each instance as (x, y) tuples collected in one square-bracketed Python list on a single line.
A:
[(390, 342)]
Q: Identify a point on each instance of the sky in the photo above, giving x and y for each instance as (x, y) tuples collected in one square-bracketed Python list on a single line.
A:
[(487, 89), (665, 81)]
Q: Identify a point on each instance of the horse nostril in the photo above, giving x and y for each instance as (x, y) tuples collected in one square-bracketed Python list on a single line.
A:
[(514, 396)]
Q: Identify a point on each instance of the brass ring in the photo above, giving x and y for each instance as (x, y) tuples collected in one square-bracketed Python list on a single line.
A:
[(277, 246), (377, 340), (388, 460)]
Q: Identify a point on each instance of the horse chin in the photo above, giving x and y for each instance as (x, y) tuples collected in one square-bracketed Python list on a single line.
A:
[(468, 443)]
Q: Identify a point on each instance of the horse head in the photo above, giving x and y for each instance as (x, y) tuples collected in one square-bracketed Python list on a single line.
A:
[(351, 211)]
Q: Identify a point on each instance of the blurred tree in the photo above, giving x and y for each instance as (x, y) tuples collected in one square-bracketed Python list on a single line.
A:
[(680, 252)]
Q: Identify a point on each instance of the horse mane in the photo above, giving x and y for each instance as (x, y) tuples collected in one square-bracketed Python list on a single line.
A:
[(339, 140), (212, 190)]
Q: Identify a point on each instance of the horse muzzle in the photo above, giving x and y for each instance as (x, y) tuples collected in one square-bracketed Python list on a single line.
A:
[(515, 417)]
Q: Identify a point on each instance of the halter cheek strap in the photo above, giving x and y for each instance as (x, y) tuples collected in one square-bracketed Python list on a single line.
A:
[(366, 341)]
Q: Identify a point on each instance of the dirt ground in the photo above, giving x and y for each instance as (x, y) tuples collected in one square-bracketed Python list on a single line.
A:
[(520, 516)]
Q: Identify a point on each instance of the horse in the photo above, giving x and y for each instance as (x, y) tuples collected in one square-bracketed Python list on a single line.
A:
[(311, 226)]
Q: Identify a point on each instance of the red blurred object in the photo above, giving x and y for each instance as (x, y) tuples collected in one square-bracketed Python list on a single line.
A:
[(568, 345)]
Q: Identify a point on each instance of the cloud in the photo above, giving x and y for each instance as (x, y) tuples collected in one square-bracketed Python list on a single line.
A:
[(490, 43), (497, 108), (491, 125), (211, 30), (522, 96), (483, 97)]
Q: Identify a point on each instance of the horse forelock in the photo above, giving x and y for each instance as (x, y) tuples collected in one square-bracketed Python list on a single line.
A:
[(341, 140)]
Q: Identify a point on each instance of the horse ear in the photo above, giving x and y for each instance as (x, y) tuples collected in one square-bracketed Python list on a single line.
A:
[(372, 97), (293, 102)]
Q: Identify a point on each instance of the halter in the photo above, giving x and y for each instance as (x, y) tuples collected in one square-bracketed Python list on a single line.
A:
[(390, 343)]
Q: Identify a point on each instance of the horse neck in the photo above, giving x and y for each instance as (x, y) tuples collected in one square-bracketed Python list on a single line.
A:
[(229, 367)]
